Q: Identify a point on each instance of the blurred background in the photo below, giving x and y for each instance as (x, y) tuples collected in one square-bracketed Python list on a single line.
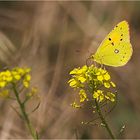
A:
[(53, 38)]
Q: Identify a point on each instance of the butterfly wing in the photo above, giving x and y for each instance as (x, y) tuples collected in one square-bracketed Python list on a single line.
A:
[(116, 49)]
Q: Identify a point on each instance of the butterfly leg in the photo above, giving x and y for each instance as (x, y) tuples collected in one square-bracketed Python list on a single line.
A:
[(88, 61)]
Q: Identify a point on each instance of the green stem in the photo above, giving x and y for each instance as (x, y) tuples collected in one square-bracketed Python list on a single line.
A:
[(24, 114), (103, 120)]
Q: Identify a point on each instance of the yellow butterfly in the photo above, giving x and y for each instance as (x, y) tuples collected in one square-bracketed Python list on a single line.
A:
[(116, 49)]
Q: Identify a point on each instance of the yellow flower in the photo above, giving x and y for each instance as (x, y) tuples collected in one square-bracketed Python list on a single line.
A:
[(98, 95), (27, 70), (107, 76), (81, 79), (4, 93), (90, 79), (83, 95), (74, 71), (79, 70), (17, 76), (72, 82), (2, 84), (27, 77), (20, 71), (7, 73), (9, 79), (32, 92), (107, 85), (26, 83), (75, 105), (100, 77), (113, 84), (110, 96)]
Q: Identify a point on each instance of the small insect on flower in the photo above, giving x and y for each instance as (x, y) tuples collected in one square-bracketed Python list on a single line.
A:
[(92, 83)]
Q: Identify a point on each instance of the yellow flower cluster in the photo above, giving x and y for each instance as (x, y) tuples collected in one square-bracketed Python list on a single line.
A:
[(91, 80), (15, 75)]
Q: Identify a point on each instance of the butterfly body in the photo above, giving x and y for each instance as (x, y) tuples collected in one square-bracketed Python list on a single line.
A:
[(116, 49)]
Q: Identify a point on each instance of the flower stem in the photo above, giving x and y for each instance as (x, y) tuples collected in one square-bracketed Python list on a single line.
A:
[(24, 114), (103, 120)]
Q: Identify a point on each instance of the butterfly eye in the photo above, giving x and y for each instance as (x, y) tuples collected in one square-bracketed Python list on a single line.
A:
[(109, 39), (121, 39)]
